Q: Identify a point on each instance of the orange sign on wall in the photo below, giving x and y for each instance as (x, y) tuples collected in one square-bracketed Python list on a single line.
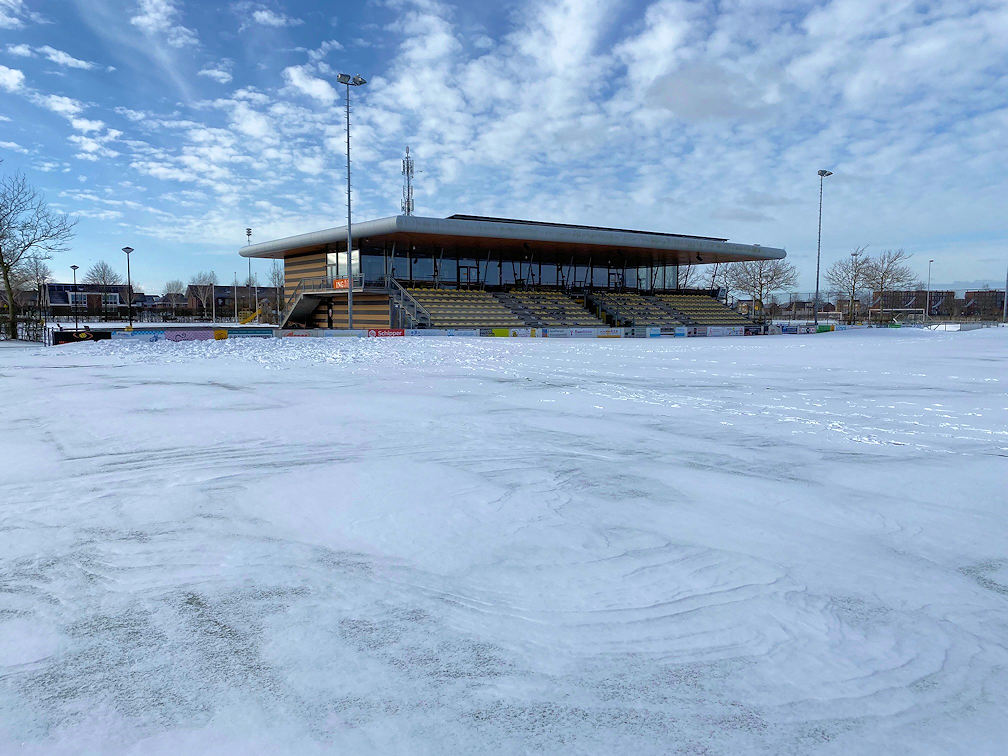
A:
[(341, 283)]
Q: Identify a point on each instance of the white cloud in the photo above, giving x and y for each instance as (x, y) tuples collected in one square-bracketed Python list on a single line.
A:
[(319, 89), (59, 104), (13, 14), (13, 147), (86, 125), (11, 79), (266, 17), (64, 59), (217, 74), (160, 17), (58, 57)]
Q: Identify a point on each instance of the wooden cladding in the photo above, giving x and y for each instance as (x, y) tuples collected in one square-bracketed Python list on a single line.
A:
[(312, 265), (369, 311)]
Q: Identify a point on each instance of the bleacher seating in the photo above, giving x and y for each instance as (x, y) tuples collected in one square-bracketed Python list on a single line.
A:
[(450, 308), (631, 308), (550, 309), (703, 310)]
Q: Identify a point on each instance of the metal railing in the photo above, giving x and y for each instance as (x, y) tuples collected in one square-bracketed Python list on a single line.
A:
[(405, 302)]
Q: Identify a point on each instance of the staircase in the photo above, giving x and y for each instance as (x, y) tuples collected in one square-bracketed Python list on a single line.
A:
[(520, 310)]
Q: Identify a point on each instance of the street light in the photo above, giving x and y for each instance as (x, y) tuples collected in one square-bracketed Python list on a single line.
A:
[(927, 302), (248, 235), (854, 272), (129, 285), (815, 305), (74, 269), (349, 81)]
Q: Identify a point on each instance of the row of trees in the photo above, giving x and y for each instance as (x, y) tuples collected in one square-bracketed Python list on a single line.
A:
[(854, 275), (860, 272), (203, 284)]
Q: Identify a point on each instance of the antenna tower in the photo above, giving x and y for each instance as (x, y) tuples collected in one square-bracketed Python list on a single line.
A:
[(407, 190)]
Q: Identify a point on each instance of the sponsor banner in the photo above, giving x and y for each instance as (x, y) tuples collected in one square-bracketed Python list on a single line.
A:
[(521, 332), (500, 331), (442, 332), (824, 328), (789, 329), (653, 332), (341, 283), (144, 335), (380, 332), (294, 332), (195, 334), (734, 330), (609, 333), (238, 333), (715, 330), (486, 332), (680, 332), (341, 332), (220, 334)]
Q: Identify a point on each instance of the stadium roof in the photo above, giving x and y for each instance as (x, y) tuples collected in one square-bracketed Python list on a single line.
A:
[(476, 234)]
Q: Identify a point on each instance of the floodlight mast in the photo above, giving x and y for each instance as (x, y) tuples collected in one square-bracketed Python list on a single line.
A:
[(823, 173), (356, 80)]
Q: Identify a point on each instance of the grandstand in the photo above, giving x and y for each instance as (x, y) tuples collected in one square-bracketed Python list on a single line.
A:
[(629, 308), (451, 308), (697, 309), (550, 309), (470, 271)]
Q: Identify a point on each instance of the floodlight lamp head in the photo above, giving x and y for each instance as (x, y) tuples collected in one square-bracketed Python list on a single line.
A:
[(75, 267), (127, 250), (357, 80), (343, 78), (824, 173)]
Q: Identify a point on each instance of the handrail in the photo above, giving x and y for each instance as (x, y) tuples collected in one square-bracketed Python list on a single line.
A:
[(292, 301), (407, 300)]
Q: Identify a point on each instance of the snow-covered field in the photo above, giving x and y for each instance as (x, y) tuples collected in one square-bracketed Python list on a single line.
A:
[(779, 545)]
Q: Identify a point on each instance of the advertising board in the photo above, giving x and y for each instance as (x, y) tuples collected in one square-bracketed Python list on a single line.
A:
[(382, 332)]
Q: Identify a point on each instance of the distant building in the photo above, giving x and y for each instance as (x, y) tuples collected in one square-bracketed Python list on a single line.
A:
[(984, 303), (915, 301), (199, 300), (89, 300)]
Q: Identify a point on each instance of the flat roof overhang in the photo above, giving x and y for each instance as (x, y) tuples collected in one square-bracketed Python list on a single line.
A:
[(518, 240)]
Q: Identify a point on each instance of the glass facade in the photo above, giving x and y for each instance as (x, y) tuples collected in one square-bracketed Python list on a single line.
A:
[(436, 266)]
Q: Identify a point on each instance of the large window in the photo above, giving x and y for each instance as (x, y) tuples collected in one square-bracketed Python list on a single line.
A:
[(336, 264)]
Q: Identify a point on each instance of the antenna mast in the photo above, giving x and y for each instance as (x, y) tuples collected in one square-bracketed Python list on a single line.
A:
[(407, 190)]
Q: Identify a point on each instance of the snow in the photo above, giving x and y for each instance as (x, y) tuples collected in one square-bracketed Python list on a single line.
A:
[(767, 545)]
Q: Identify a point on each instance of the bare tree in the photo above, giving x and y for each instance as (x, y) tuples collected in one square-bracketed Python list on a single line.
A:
[(203, 285), (688, 276), (759, 278), (173, 290), (28, 228), (850, 275), (888, 272), (103, 275), (276, 279), (717, 277)]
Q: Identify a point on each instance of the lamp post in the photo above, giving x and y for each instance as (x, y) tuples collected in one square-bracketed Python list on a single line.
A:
[(854, 272), (74, 269), (927, 301), (129, 286), (349, 81), (815, 305), (236, 296), (248, 235)]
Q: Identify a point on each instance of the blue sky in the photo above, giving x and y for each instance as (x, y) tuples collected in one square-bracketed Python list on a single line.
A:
[(171, 125)]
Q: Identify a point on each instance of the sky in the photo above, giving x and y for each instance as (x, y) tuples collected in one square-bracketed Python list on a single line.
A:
[(172, 125)]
